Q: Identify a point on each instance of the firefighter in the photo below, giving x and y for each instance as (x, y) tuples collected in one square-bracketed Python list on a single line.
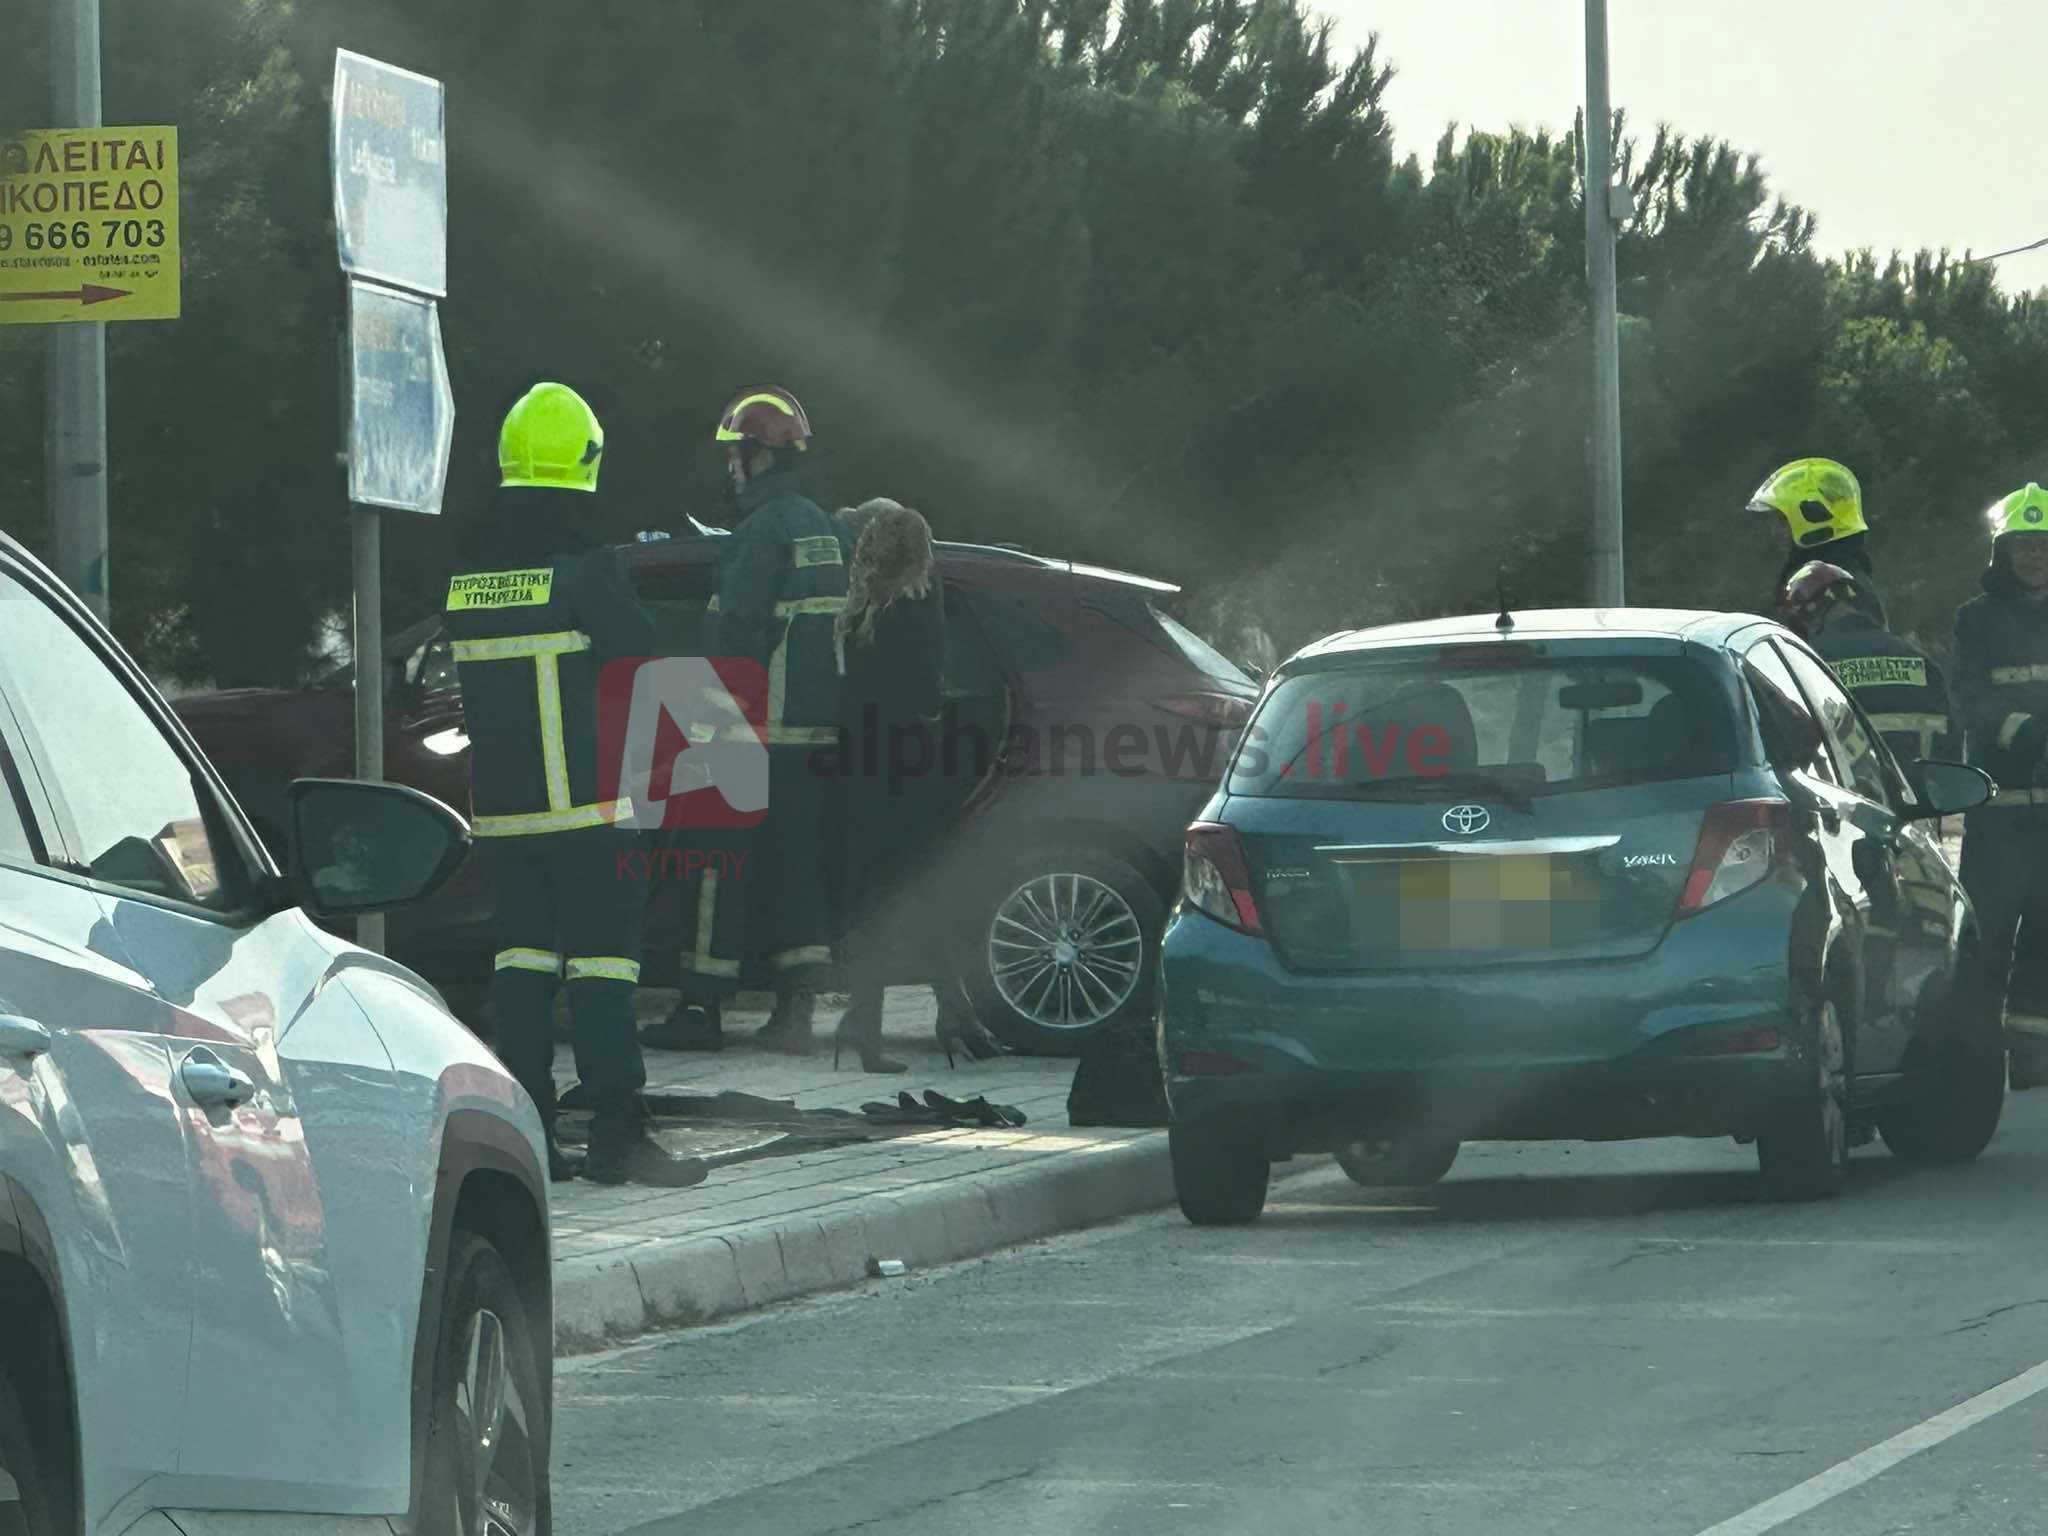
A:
[(1822, 506), (1898, 685), (781, 586), (538, 609), (2001, 658)]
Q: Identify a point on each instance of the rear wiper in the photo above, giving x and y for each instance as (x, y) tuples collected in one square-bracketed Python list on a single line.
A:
[(1421, 787)]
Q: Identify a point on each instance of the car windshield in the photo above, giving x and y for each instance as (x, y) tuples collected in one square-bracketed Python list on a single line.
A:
[(1391, 725)]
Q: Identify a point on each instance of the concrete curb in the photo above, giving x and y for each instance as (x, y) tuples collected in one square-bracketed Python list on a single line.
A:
[(606, 1300)]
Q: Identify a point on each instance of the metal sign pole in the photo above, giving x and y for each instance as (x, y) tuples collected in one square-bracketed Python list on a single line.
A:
[(365, 540), (1607, 556), (76, 431), (390, 185)]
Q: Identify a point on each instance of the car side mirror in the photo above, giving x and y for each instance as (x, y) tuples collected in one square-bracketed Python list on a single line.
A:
[(1947, 789), (359, 848)]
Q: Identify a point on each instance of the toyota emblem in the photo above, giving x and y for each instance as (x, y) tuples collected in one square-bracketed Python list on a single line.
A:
[(1466, 819)]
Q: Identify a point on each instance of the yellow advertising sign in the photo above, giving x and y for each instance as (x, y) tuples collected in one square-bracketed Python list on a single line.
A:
[(89, 226)]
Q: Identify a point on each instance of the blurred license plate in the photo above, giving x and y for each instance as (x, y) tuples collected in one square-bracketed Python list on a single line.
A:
[(1478, 902)]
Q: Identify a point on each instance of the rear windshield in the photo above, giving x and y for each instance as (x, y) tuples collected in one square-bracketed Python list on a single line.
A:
[(1540, 725)]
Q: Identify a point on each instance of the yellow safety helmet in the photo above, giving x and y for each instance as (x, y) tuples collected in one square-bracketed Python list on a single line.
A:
[(551, 438), (1818, 498), (2024, 511)]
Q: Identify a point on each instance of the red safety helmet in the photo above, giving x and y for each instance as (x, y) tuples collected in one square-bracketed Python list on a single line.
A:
[(768, 416), (1811, 593)]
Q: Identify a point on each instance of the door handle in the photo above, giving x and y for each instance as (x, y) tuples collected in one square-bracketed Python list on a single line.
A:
[(214, 1084), (23, 1039)]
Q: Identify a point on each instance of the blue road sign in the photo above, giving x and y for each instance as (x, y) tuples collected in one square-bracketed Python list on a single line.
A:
[(390, 174), (401, 410)]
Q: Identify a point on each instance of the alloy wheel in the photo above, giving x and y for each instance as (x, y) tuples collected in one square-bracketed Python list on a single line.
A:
[(495, 1486), (1064, 950)]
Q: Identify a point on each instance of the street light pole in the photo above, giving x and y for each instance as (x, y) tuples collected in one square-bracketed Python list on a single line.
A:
[(1600, 222), (75, 429)]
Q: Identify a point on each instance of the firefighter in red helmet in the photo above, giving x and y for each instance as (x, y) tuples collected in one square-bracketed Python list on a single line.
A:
[(1899, 686), (781, 585)]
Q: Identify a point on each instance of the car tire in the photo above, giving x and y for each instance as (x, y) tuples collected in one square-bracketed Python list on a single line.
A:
[(485, 1370), (26, 1498), (1220, 1177), (1402, 1162), (1130, 909), (1803, 1153), (1958, 1091)]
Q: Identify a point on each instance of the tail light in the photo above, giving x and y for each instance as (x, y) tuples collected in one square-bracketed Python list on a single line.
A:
[(1220, 710), (1216, 881), (1741, 842)]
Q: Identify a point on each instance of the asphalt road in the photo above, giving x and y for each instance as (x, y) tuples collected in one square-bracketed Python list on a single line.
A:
[(1568, 1339)]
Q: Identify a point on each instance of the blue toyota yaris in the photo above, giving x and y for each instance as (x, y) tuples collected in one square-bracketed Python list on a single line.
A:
[(1578, 874)]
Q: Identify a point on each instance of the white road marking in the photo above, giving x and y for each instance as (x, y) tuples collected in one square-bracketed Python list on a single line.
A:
[(1886, 1454)]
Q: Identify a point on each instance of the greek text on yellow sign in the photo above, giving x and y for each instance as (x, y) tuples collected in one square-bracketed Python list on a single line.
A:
[(89, 226)]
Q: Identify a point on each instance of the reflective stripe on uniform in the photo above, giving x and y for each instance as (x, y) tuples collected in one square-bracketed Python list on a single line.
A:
[(803, 954), (515, 647), (702, 963), (603, 814), (1910, 720), (2036, 673), (2014, 723), (554, 757), (1925, 727), (780, 734), (2019, 797), (2026, 1023), (604, 968), (545, 961)]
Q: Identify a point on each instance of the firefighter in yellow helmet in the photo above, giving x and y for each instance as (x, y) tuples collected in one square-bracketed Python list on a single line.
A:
[(1821, 503), (537, 610), (1898, 685), (2001, 664)]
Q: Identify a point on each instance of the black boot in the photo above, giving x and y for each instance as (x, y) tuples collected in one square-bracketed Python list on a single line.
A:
[(690, 1027), (790, 1027), (623, 1151)]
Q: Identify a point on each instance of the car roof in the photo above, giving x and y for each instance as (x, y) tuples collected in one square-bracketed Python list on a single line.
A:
[(1700, 626), (952, 555)]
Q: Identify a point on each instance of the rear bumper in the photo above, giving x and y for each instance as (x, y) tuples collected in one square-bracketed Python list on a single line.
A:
[(1690, 1039)]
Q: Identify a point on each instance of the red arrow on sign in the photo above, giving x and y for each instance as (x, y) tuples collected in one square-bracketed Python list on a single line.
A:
[(89, 293)]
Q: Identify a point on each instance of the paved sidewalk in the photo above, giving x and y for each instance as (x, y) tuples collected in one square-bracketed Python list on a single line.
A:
[(767, 1228)]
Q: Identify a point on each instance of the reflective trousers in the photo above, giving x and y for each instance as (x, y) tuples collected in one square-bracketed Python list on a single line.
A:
[(2005, 870), (756, 900), (567, 915)]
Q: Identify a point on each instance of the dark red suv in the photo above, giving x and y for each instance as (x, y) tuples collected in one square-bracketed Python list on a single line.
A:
[(1089, 726)]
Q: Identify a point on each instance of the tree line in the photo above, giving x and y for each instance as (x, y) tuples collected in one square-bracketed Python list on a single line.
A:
[(1140, 282)]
